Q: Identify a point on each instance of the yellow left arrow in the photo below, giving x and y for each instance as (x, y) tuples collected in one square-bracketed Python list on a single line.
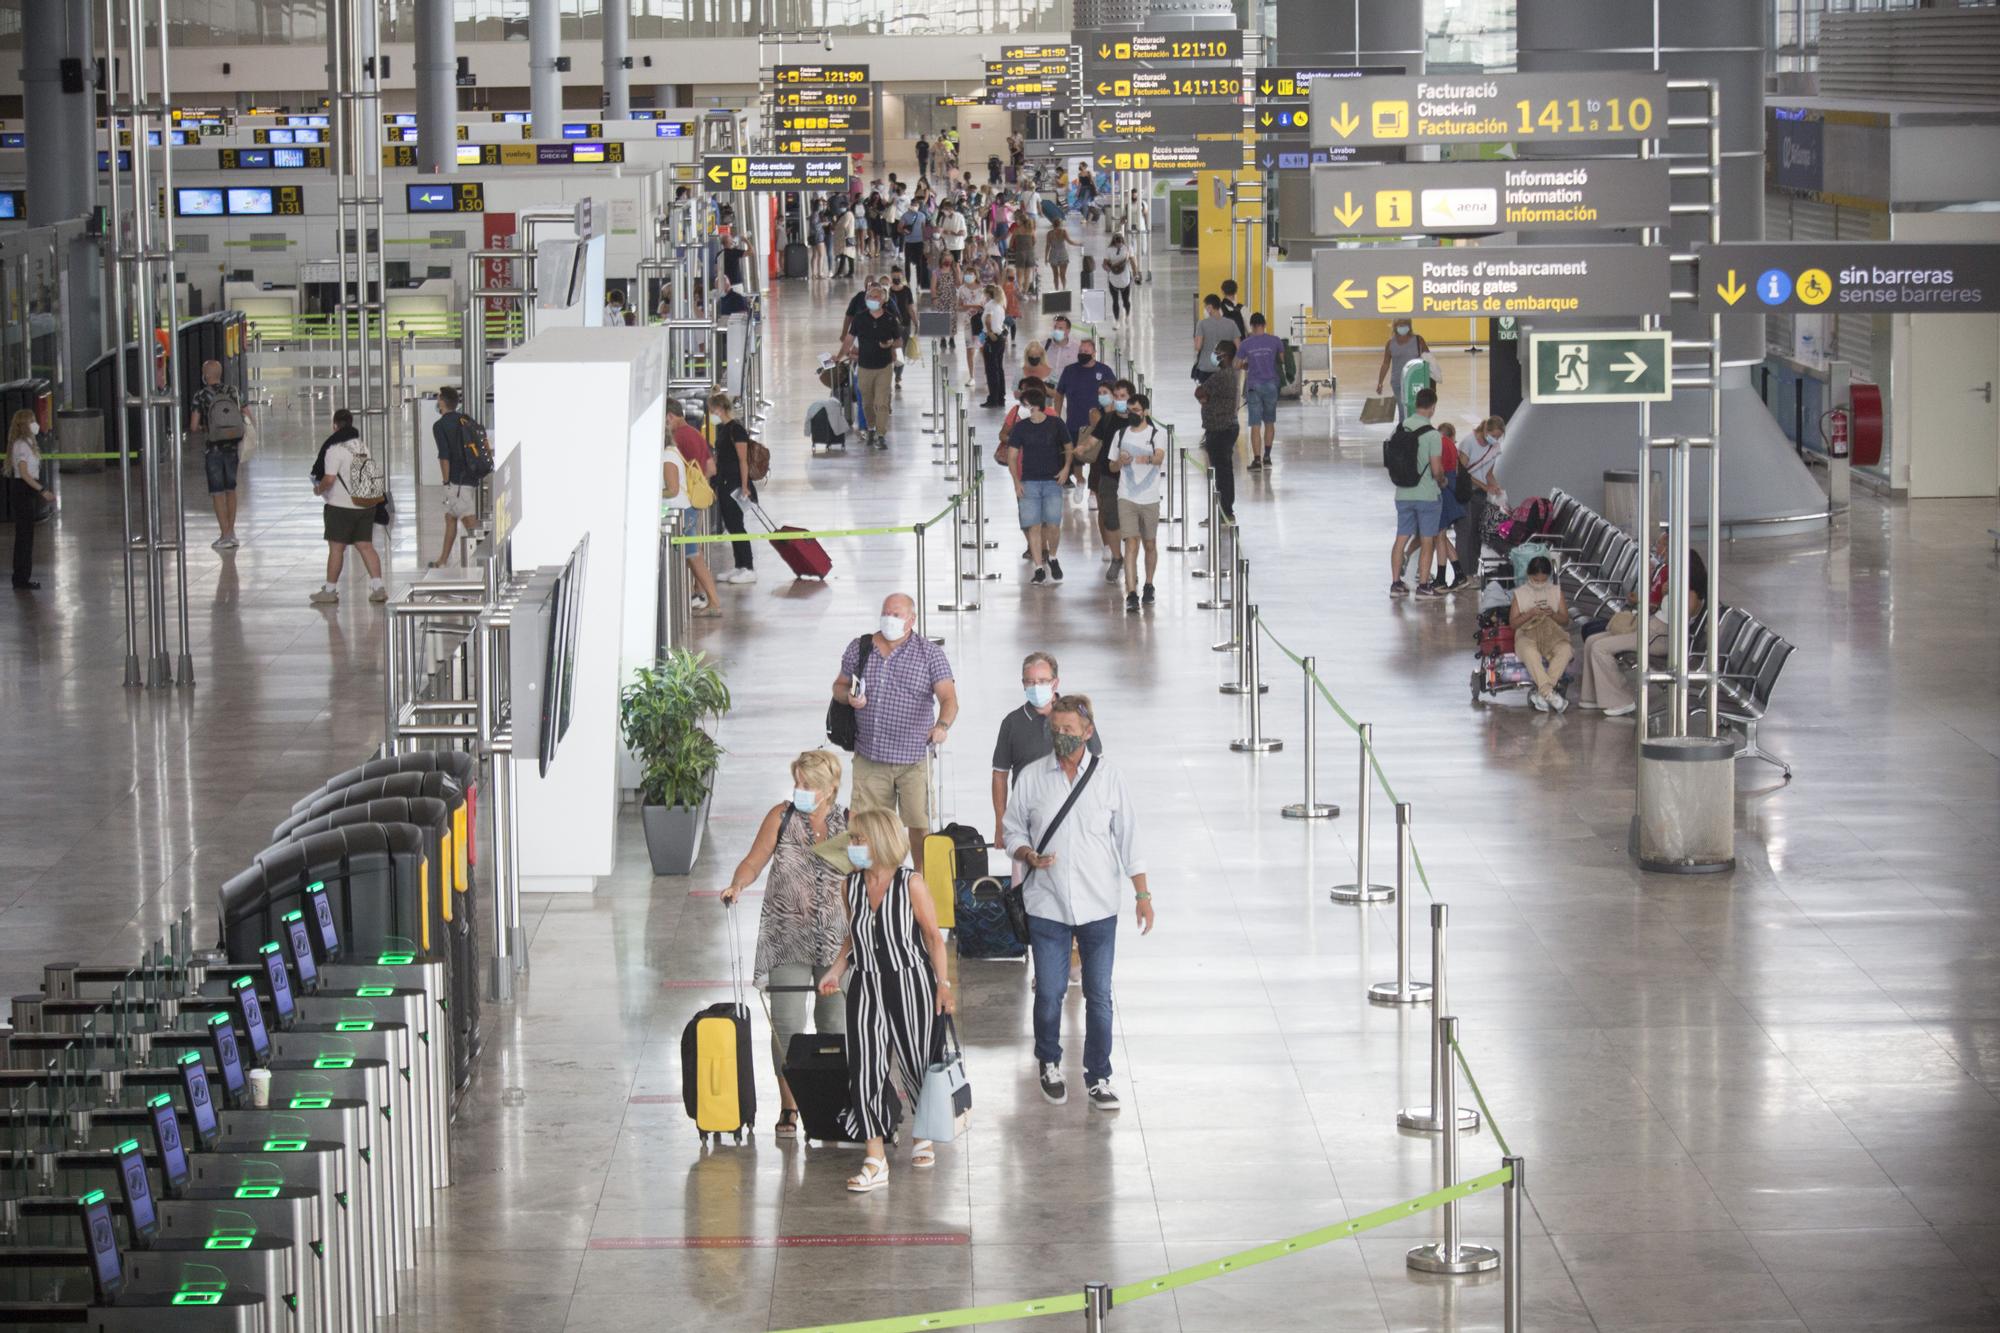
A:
[(1347, 293), (718, 173)]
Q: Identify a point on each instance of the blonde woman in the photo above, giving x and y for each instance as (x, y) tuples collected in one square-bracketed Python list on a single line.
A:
[(24, 478), (803, 922), (900, 985)]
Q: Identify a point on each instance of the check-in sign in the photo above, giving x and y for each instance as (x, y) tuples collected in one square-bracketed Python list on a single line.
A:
[(1446, 198), (1617, 367), (1471, 108), (1518, 280)]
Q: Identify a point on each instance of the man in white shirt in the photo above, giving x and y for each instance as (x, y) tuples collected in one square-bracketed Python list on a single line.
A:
[(1140, 460), (1073, 829), (951, 230), (1059, 348)]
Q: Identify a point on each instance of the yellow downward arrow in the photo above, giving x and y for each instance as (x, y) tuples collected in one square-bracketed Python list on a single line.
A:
[(1266, 119), (1346, 122), (1731, 292), (1349, 212), (1347, 293)]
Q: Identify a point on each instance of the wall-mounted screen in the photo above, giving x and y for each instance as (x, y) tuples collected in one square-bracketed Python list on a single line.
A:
[(250, 201), (15, 140), (283, 157), (670, 129), (468, 154), (13, 205), (514, 117), (587, 152), (198, 202), (124, 159), (280, 136), (249, 159), (560, 672), (308, 136), (320, 121)]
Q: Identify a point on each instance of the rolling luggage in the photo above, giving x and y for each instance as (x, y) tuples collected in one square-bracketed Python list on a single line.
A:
[(718, 1084), (816, 1070), (955, 852), (804, 556), (798, 260)]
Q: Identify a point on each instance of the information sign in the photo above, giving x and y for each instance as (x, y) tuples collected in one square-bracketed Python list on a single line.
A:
[(1624, 366), (1444, 198), (1490, 280), (1879, 277), (1465, 108), (823, 97), (1037, 52), (809, 171), (455, 197)]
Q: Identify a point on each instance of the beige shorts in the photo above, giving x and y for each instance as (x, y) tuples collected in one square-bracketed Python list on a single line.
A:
[(904, 788), (1137, 520), (461, 501)]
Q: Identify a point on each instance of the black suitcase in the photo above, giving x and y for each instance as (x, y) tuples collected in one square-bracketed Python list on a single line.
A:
[(798, 260), (816, 1071)]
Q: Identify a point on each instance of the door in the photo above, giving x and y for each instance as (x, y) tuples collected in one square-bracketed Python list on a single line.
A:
[(1954, 437)]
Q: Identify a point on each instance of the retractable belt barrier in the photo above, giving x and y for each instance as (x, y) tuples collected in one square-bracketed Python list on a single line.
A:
[(707, 539)]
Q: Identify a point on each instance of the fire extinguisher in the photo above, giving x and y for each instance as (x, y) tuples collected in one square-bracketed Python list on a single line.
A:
[(1835, 430)]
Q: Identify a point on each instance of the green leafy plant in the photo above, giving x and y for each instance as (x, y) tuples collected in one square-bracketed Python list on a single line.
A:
[(661, 713)]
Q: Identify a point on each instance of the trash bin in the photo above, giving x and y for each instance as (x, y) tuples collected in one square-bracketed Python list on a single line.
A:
[(1621, 498), (80, 430), (1686, 818)]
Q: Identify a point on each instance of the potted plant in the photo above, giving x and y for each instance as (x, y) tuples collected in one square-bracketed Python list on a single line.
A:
[(661, 713)]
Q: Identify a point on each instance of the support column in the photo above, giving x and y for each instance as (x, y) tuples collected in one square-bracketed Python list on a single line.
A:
[(545, 107), (437, 88), (62, 166), (617, 64)]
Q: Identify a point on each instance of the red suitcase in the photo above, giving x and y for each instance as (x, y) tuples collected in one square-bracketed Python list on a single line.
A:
[(804, 556)]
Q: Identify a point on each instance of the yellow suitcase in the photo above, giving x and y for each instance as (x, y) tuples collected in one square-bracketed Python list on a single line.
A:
[(940, 874)]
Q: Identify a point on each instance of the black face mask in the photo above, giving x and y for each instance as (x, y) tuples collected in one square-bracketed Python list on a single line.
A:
[(1084, 358)]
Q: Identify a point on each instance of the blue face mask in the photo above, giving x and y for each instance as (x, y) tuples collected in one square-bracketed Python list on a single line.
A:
[(1041, 695), (858, 856), (1123, 407), (1104, 400), (1057, 335), (804, 800), (873, 306)]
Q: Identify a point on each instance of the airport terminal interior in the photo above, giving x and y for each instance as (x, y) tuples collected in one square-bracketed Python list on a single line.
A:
[(462, 457)]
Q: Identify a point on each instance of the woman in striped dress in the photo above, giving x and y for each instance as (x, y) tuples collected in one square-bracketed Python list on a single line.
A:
[(900, 985)]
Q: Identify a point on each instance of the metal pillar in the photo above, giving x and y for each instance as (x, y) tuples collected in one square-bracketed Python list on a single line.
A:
[(61, 163), (1402, 990), (617, 20), (355, 86), (544, 80), (1449, 1257), (1311, 807), (437, 88), (1362, 890), (1427, 1119)]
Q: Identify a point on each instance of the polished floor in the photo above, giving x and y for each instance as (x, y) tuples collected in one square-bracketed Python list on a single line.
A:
[(1762, 1101)]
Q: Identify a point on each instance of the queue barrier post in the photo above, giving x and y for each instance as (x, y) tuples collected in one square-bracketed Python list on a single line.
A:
[(1429, 1119), (1214, 543), (980, 545), (1449, 1257), (1311, 807), (1402, 990), (1247, 680), (960, 600), (1239, 597), (1252, 658), (1096, 1307), (923, 625), (1187, 543), (1510, 1245), (1362, 890)]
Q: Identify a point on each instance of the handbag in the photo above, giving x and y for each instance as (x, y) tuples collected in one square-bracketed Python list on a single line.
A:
[(912, 349), (1015, 896), (944, 1102), (700, 494), (843, 728), (1378, 410)]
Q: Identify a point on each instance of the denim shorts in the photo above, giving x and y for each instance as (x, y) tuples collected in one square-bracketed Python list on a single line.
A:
[(1418, 518), (1041, 504), (1260, 401), (220, 461)]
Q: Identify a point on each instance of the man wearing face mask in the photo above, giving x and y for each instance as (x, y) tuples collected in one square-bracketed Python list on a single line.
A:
[(1040, 455), (877, 333), (1107, 422), (1025, 734), (1077, 387), (1073, 830), (904, 702), (1059, 347)]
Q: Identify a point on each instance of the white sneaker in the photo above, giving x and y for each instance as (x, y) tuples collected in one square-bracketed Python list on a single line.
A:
[(1625, 711), (1541, 704), (379, 593), (1557, 702), (324, 597), (737, 576), (218, 545), (230, 543)]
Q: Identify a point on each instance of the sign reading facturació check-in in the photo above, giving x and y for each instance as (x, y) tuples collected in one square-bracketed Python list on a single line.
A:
[(1469, 108), (1626, 366), (1462, 197), (1490, 280)]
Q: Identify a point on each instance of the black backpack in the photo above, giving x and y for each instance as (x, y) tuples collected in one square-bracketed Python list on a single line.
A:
[(1399, 455), (478, 451), (842, 727)]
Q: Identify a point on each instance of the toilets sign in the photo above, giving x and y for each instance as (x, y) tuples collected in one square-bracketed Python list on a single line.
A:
[(1878, 277)]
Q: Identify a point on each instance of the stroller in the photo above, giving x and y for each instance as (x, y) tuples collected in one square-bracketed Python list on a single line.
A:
[(1497, 669)]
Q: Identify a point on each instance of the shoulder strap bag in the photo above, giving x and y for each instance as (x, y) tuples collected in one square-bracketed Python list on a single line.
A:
[(1014, 897)]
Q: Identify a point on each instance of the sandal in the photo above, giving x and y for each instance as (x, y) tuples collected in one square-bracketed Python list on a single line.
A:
[(923, 1153), (788, 1123), (873, 1176)]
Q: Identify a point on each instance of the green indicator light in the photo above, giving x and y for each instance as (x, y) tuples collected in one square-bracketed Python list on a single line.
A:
[(334, 1062), (130, 1145), (217, 1020), (95, 1196), (226, 1243), (293, 916), (311, 1103), (284, 1145), (164, 1099), (375, 992), (191, 1058), (257, 1191), (197, 1298), (354, 1025), (395, 960), (317, 886), (272, 947), (240, 983)]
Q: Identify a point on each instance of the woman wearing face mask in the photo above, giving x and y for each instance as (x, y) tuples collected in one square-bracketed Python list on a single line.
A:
[(1540, 617), (901, 983), (802, 924), (1056, 251), (24, 478), (943, 296), (971, 304), (1480, 457), (1403, 347)]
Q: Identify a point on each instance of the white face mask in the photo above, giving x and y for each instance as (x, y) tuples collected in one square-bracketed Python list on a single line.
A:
[(893, 628)]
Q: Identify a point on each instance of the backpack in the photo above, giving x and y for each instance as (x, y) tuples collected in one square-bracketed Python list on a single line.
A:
[(759, 459), (478, 450), (224, 416), (700, 494), (364, 480), (842, 726), (1399, 456)]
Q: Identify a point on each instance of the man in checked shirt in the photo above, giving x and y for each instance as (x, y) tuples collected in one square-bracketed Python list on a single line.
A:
[(904, 702)]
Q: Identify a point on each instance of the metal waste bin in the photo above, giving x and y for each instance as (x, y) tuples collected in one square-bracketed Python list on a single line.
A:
[(1686, 818), (1621, 498), (80, 430)]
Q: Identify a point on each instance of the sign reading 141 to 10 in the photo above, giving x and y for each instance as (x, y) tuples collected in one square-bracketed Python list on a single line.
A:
[(809, 171), (1400, 109), (1882, 277), (1487, 280), (1626, 366)]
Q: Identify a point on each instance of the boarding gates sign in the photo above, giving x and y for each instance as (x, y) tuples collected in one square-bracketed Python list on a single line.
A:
[(1490, 280)]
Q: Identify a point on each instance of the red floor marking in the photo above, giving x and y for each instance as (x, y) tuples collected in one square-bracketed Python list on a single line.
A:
[(771, 1242), (717, 893), (692, 985), (655, 1099)]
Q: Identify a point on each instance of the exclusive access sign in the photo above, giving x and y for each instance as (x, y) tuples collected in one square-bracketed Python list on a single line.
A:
[(1406, 109), (1222, 154), (807, 171), (1878, 277), (1625, 366), (1491, 280), (1446, 198)]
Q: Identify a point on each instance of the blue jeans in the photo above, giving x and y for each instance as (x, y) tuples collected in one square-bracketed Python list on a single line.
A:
[(1041, 504), (1097, 941)]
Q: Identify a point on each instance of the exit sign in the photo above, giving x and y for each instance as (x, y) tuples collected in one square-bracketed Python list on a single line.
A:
[(1620, 367)]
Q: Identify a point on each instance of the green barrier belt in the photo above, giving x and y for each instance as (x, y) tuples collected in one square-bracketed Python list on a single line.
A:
[(709, 539), (71, 458), (1480, 1097), (1125, 1295)]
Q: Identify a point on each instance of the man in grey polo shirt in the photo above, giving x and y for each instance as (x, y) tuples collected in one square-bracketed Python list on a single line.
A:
[(1025, 735)]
